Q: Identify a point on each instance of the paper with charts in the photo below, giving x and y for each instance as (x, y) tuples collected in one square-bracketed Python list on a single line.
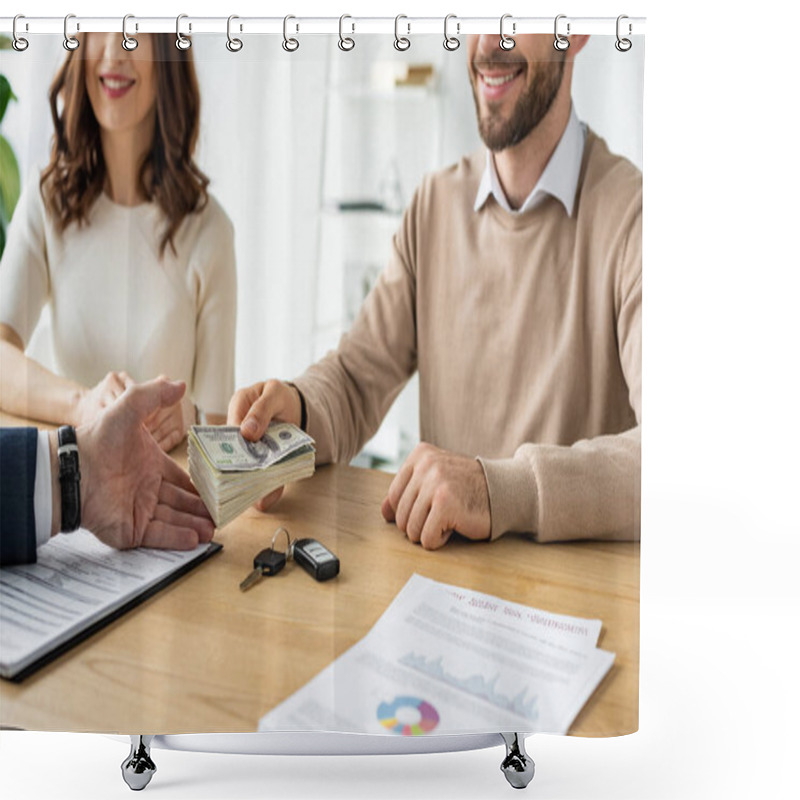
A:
[(447, 660)]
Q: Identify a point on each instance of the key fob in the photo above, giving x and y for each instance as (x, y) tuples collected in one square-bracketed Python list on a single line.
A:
[(315, 559)]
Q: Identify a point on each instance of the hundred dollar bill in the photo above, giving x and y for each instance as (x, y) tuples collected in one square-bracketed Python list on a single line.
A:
[(228, 451)]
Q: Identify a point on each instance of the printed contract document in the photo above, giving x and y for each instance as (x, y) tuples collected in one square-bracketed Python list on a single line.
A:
[(449, 660), (77, 585)]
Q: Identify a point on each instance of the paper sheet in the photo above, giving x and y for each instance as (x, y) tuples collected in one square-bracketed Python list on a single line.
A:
[(76, 580), (449, 660)]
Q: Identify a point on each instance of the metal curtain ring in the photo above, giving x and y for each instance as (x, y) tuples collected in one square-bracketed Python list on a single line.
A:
[(181, 42), (623, 45), (345, 42), (70, 42), (17, 42), (289, 44), (128, 42), (288, 540), (451, 42), (506, 42), (401, 43), (234, 45), (560, 43)]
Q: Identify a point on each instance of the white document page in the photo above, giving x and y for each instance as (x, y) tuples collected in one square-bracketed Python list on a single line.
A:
[(77, 580), (447, 660), (495, 612)]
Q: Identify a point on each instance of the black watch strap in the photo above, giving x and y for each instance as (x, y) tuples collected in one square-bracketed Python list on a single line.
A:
[(69, 476), (303, 408)]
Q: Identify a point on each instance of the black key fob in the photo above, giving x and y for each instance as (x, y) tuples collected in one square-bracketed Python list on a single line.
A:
[(315, 559)]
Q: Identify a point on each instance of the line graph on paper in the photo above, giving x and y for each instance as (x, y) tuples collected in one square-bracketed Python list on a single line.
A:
[(476, 685)]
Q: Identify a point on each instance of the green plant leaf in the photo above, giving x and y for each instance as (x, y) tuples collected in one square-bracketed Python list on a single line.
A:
[(2, 237), (5, 95), (5, 42), (9, 177)]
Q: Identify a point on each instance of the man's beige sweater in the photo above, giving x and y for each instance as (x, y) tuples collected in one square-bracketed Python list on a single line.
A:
[(526, 331)]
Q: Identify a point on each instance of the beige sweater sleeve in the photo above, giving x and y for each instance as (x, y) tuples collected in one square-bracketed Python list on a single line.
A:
[(350, 390), (591, 489)]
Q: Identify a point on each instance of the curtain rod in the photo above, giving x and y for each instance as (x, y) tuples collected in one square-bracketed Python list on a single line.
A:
[(325, 25)]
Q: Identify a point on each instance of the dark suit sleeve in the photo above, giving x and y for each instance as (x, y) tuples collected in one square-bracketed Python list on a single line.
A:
[(17, 479)]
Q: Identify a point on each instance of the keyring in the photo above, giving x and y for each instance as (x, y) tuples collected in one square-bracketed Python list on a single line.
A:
[(129, 43), (289, 44), (345, 42), (506, 42), (70, 42), (560, 43), (181, 42), (17, 42), (288, 540), (451, 42), (234, 45), (623, 45), (401, 43)]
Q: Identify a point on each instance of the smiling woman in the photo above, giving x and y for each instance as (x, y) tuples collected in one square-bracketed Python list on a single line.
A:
[(121, 236), (109, 79)]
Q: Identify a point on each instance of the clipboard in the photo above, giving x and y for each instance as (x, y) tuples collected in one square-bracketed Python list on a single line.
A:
[(74, 546)]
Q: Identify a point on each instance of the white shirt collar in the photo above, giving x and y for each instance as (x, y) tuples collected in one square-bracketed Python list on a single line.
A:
[(559, 179)]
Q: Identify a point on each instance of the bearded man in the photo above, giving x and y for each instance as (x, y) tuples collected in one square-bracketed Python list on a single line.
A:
[(515, 290)]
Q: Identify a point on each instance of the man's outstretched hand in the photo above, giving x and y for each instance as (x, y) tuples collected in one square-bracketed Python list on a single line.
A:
[(436, 492), (132, 493), (254, 407)]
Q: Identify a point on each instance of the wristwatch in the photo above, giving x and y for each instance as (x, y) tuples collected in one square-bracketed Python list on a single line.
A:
[(69, 476)]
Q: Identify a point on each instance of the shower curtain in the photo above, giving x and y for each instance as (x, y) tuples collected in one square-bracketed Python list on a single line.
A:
[(423, 249)]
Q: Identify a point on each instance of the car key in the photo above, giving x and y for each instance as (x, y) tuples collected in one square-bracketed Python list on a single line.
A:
[(267, 562), (315, 559)]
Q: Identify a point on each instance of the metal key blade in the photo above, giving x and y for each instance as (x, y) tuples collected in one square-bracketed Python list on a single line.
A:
[(254, 577)]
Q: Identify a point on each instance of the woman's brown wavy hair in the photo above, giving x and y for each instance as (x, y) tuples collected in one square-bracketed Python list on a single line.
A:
[(75, 176)]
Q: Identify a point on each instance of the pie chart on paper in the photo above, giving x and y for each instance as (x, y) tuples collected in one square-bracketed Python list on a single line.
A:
[(408, 716)]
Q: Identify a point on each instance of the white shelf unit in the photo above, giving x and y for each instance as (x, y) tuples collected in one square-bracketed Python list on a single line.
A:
[(380, 137)]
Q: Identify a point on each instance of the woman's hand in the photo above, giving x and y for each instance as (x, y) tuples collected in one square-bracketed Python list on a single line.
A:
[(94, 401), (169, 425)]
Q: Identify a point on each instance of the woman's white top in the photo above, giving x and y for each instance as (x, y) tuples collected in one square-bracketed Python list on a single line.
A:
[(118, 305)]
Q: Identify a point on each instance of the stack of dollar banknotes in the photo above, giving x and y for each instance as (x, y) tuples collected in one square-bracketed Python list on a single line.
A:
[(231, 473)]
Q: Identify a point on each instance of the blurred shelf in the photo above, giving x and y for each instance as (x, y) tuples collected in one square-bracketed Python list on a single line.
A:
[(382, 131), (393, 94), (357, 207)]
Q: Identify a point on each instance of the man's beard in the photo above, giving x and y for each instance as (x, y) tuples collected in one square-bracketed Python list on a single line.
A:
[(531, 108)]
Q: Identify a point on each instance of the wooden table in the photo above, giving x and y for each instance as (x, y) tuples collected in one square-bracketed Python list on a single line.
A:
[(203, 657)]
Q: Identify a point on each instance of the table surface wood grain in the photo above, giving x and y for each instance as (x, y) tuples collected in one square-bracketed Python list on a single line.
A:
[(201, 656)]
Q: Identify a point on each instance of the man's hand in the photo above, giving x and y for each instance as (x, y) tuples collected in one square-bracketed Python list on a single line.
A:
[(133, 494), (255, 407), (436, 492), (94, 401), (170, 425)]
